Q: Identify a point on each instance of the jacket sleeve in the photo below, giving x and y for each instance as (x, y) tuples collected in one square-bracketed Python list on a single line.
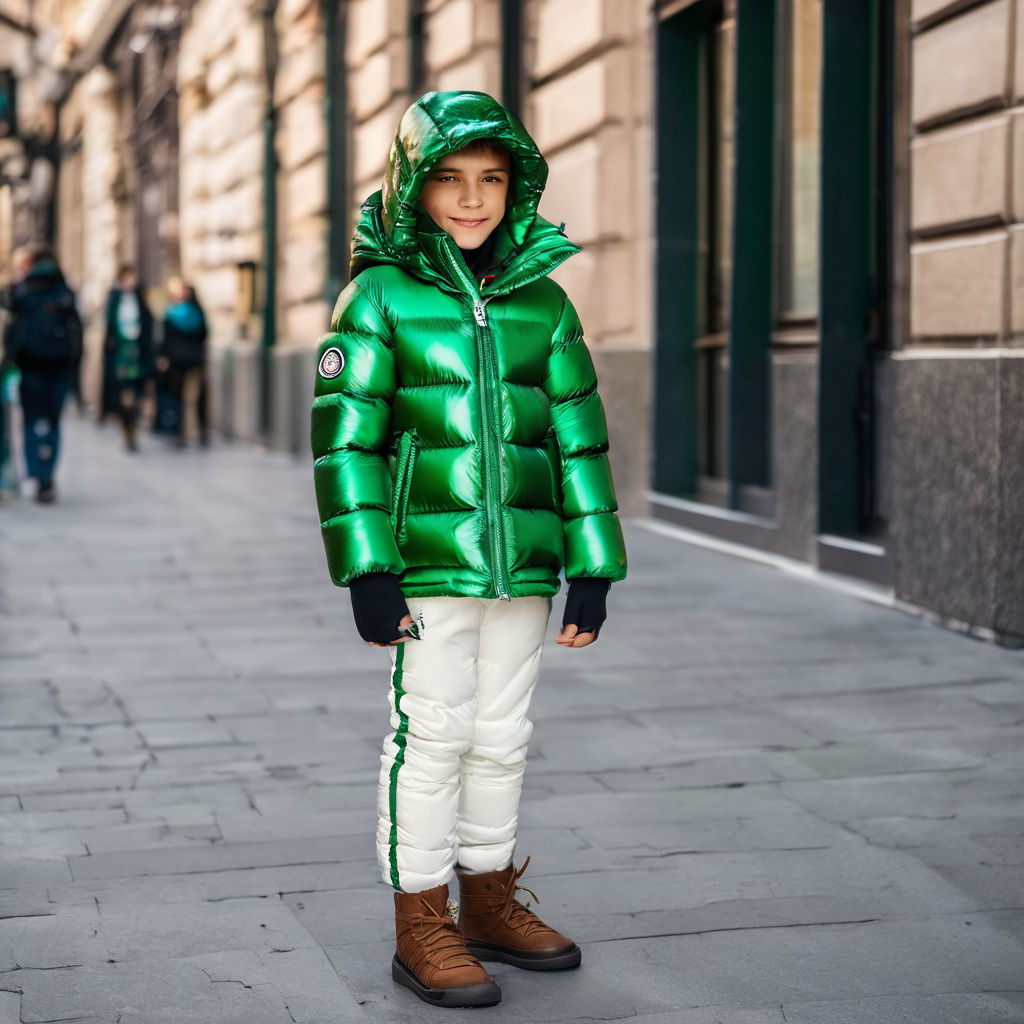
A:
[(350, 432), (593, 536)]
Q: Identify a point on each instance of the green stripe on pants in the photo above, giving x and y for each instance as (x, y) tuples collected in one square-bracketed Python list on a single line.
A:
[(400, 734)]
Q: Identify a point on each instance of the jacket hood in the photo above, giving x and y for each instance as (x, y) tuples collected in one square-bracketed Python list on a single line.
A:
[(394, 228)]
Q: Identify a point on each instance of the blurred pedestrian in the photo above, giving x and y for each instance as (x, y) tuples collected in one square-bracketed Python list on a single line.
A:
[(128, 348), (460, 448), (44, 341), (21, 263), (183, 357)]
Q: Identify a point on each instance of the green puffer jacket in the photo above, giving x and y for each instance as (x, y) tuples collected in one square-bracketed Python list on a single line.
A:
[(457, 430)]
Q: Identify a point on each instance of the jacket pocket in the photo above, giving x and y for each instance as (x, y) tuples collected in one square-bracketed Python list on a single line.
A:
[(554, 455), (408, 449)]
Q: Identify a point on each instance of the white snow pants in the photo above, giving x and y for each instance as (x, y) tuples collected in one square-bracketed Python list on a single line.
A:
[(452, 769)]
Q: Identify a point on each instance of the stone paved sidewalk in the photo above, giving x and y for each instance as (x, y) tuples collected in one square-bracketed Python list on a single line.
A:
[(756, 800)]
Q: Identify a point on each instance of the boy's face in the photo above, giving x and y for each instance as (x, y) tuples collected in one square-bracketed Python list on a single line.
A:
[(465, 195)]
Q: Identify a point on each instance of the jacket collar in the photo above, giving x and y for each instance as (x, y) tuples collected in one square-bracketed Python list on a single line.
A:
[(438, 260)]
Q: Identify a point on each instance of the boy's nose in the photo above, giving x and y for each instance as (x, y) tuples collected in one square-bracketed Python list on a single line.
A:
[(471, 199)]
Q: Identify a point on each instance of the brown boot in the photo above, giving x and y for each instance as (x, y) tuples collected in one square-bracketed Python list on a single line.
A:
[(432, 958), (498, 927)]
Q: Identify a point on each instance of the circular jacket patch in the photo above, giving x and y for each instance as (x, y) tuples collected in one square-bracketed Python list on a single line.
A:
[(332, 362)]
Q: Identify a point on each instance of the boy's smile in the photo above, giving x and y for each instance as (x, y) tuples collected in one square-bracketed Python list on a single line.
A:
[(465, 195)]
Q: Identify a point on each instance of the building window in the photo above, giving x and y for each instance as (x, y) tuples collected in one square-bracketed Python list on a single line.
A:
[(799, 159), (720, 150), (715, 212)]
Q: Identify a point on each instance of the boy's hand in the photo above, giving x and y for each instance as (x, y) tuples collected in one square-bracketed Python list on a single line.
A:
[(404, 624), (379, 609), (571, 637), (585, 612)]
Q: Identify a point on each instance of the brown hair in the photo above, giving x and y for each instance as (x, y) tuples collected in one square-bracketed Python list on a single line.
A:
[(480, 146)]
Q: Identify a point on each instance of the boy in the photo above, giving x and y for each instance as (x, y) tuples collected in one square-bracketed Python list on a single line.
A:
[(460, 449)]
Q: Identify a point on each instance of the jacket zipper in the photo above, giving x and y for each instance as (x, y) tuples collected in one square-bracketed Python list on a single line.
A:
[(492, 475), (490, 416), (407, 451)]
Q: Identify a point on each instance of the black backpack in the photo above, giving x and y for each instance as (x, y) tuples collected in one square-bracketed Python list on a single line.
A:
[(49, 328)]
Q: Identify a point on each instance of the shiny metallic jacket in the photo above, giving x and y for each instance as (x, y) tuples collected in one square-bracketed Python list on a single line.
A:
[(458, 436)]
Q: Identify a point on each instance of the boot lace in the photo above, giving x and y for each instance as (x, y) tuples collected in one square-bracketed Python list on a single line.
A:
[(442, 942), (515, 915)]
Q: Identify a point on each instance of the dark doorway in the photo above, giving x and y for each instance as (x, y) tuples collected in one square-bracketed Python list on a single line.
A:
[(856, 241), (689, 307)]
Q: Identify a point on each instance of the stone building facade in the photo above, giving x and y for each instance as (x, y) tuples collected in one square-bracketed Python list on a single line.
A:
[(802, 274), (957, 384), (862, 248)]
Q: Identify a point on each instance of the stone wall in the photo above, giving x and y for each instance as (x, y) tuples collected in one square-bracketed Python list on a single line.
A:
[(222, 104), (463, 45), (958, 508), (967, 208), (953, 474), (302, 174), (378, 79), (589, 109)]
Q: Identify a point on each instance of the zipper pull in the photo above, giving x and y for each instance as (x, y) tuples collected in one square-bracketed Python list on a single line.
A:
[(480, 313)]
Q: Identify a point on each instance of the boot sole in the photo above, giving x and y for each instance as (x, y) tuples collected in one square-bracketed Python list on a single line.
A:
[(563, 960), (484, 994)]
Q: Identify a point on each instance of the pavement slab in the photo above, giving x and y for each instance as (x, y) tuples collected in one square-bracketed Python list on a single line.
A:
[(10, 1007), (758, 800), (231, 987)]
